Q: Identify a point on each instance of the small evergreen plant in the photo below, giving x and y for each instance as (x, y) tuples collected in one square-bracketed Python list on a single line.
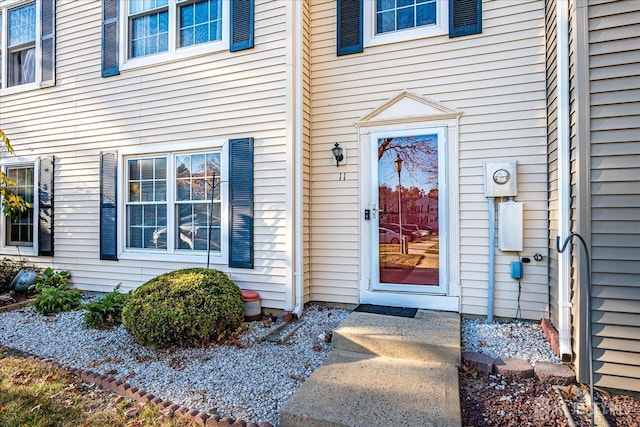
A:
[(107, 311), (53, 294)]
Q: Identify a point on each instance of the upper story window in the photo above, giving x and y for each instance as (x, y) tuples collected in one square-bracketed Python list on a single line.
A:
[(389, 21), (149, 27), (200, 22), (159, 26), (27, 43), (397, 15), (21, 44)]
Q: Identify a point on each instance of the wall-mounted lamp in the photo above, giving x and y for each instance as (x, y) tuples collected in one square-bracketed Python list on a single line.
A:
[(337, 154)]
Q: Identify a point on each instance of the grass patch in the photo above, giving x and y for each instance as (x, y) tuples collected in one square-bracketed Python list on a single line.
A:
[(37, 395), (398, 260)]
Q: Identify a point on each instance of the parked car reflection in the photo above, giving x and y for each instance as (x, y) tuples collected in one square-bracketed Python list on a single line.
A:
[(388, 236), (192, 233)]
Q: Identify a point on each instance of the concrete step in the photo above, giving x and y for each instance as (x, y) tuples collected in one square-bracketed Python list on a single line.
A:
[(357, 389), (430, 337)]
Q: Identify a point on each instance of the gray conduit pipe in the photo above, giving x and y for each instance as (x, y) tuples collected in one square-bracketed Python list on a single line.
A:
[(492, 258)]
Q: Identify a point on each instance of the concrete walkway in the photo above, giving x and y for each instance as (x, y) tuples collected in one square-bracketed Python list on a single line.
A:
[(384, 371)]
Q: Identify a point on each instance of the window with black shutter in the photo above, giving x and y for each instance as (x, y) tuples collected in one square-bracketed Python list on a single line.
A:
[(110, 62), (45, 207), (242, 12), (465, 17), (108, 206), (349, 27), (241, 203)]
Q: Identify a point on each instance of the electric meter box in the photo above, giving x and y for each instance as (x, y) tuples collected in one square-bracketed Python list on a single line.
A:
[(500, 179), (510, 226)]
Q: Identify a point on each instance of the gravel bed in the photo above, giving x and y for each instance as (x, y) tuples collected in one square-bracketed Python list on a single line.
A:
[(248, 380), (513, 339)]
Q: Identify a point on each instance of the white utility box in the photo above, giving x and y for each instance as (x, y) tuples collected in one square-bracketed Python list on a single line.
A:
[(500, 179), (510, 226)]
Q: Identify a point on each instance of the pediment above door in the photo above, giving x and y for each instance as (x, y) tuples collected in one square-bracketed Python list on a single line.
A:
[(407, 107)]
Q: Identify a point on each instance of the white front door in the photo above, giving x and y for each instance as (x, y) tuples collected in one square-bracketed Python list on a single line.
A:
[(408, 225)]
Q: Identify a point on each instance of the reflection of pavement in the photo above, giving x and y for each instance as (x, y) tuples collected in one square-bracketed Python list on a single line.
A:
[(426, 271)]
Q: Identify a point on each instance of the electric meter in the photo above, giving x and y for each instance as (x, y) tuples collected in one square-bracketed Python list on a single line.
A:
[(501, 176), (500, 179)]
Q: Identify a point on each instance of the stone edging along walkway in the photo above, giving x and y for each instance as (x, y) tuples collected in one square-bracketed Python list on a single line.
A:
[(108, 382)]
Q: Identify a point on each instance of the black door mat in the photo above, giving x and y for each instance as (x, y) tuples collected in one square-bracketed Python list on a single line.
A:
[(387, 310)]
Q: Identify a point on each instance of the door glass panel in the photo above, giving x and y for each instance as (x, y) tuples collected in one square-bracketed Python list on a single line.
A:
[(408, 228)]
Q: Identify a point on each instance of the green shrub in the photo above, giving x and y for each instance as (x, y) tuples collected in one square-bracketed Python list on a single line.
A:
[(107, 311), (53, 279), (53, 294), (9, 268), (51, 300), (185, 308)]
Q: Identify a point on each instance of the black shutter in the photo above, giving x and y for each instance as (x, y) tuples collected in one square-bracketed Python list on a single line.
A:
[(110, 62), (48, 42), (108, 207), (241, 27), (45, 207), (349, 39), (241, 203), (465, 17)]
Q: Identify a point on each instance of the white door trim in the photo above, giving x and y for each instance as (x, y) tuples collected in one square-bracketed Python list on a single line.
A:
[(374, 137), (372, 125)]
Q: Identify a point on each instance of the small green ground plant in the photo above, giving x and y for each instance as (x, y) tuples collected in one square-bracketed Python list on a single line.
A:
[(106, 312), (184, 308), (53, 294)]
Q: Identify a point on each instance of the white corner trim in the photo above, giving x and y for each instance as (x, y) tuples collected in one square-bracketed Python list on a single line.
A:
[(564, 175)]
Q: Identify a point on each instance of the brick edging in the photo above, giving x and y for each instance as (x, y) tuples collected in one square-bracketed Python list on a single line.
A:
[(108, 382), (552, 335), (16, 305)]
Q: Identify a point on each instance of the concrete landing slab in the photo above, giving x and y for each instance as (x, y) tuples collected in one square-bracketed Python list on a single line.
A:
[(430, 337), (355, 389)]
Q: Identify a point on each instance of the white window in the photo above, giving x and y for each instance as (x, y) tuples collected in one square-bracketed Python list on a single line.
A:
[(388, 21), (20, 232), (18, 44), (173, 203), (158, 30), (19, 227), (21, 44)]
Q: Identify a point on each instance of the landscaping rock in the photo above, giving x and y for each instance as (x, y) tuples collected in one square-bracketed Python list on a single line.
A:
[(514, 368), (555, 373)]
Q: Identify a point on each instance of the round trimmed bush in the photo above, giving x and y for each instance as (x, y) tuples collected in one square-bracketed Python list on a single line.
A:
[(186, 308)]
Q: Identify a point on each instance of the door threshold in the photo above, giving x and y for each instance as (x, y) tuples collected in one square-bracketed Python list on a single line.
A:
[(411, 300)]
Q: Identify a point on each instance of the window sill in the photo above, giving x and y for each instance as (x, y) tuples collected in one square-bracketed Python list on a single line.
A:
[(27, 251), (201, 257), (406, 35), (19, 88), (177, 55)]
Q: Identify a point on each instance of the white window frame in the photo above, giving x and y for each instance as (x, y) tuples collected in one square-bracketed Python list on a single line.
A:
[(171, 253), (5, 6), (5, 247), (174, 53), (441, 27)]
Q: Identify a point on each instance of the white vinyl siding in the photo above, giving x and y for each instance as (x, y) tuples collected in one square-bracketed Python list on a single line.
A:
[(497, 80), (212, 97), (614, 100)]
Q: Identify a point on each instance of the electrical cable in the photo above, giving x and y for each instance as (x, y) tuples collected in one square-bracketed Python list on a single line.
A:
[(518, 311), (588, 291)]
